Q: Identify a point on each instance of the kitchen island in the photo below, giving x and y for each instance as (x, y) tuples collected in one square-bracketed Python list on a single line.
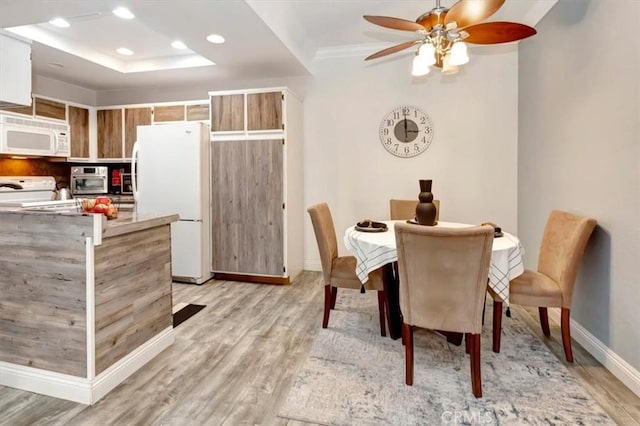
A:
[(84, 302)]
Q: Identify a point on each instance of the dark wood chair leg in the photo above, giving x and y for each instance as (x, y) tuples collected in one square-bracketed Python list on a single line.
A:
[(476, 377), (334, 296), (382, 300), (544, 321), (327, 305), (484, 307), (407, 335), (467, 343), (565, 326), (497, 325)]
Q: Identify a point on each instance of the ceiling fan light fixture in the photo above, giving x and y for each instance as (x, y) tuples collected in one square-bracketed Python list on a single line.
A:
[(459, 54), (177, 44), (428, 53), (420, 66), (124, 51)]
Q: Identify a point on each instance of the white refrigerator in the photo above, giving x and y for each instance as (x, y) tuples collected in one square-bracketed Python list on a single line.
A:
[(170, 174)]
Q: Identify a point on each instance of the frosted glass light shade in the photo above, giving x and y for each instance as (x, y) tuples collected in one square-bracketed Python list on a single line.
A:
[(459, 53), (447, 67), (428, 53), (420, 66)]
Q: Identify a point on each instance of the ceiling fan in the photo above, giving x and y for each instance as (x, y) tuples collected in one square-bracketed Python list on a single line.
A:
[(443, 32)]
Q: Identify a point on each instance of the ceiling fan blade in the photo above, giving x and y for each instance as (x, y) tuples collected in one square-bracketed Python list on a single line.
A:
[(392, 49), (498, 32), (469, 12), (394, 23)]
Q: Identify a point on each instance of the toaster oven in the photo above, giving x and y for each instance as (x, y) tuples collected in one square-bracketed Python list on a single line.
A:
[(89, 180)]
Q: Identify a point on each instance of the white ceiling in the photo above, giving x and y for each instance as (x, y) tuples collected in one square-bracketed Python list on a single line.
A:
[(264, 38)]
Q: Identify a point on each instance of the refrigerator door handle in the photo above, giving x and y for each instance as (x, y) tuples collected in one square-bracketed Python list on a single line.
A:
[(134, 175)]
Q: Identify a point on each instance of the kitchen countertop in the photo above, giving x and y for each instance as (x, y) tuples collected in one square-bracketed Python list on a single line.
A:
[(126, 222), (132, 222)]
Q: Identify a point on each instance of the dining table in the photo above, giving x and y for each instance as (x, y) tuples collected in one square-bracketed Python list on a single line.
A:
[(377, 249)]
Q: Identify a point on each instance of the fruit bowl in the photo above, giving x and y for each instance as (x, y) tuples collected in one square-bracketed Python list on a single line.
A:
[(100, 205)]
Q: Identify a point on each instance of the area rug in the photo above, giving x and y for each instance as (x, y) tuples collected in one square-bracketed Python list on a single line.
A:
[(354, 376), (185, 312)]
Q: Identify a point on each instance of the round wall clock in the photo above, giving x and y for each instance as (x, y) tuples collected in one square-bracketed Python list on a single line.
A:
[(406, 131)]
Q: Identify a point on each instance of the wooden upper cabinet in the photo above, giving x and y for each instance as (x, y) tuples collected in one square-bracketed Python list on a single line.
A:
[(19, 109), (50, 109), (198, 112), (134, 117), (264, 111), (110, 133), (168, 113), (227, 113), (79, 128)]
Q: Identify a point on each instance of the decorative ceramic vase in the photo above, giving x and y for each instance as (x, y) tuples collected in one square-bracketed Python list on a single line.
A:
[(426, 210)]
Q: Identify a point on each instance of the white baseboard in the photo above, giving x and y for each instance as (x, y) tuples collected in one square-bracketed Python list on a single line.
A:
[(80, 389), (312, 265), (620, 368)]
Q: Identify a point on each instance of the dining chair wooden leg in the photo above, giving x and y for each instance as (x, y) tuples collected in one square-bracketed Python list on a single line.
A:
[(476, 377), (334, 296), (327, 305), (497, 325), (382, 300), (407, 334), (565, 326), (544, 321), (467, 343)]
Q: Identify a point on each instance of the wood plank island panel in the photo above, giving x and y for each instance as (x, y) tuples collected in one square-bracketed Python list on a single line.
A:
[(132, 292), (227, 113), (168, 113), (51, 109), (42, 292), (198, 112)]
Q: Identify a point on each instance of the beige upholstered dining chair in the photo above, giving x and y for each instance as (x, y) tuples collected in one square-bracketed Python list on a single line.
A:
[(340, 271), (443, 281), (406, 209), (564, 241)]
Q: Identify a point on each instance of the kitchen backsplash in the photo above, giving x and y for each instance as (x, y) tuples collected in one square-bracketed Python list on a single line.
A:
[(35, 167)]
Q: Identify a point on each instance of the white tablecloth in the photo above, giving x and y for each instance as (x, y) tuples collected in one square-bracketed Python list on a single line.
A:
[(372, 250)]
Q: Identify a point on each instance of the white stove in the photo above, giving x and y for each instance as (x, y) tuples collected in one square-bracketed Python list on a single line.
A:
[(33, 193)]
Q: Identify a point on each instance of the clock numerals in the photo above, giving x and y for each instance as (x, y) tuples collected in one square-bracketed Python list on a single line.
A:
[(406, 131)]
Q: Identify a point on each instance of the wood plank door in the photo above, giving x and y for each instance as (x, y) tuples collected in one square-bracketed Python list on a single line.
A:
[(134, 117), (110, 133), (227, 113), (79, 128), (247, 212), (264, 111)]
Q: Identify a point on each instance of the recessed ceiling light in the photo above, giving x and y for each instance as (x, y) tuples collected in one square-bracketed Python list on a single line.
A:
[(215, 38), (124, 13), (124, 51), (178, 45), (59, 22), (55, 65)]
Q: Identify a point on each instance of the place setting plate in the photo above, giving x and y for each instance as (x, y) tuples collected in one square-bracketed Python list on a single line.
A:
[(369, 225)]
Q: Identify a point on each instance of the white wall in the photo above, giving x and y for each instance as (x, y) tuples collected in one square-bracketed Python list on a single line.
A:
[(472, 158), (579, 151), (57, 89)]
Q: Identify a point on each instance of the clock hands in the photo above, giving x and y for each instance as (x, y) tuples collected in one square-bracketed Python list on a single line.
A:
[(405, 127)]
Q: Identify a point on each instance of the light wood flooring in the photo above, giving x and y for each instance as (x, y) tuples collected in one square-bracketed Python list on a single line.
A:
[(234, 362)]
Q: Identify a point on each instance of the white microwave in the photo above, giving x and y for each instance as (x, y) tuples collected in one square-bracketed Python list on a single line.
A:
[(27, 136)]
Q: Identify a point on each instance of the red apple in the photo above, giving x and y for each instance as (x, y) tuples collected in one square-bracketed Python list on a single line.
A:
[(100, 208), (111, 212), (103, 200)]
